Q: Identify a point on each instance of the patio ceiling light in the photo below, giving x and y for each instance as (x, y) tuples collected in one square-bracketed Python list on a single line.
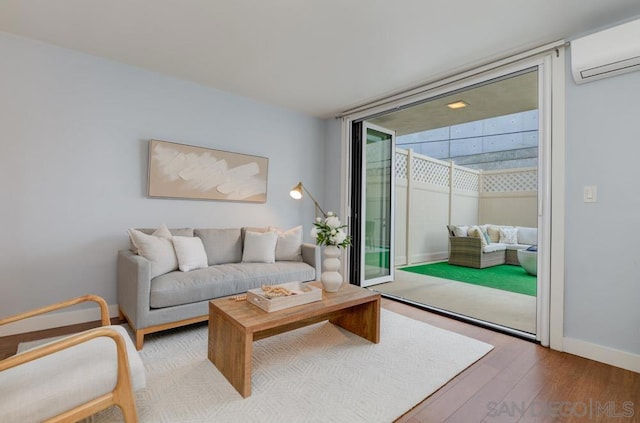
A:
[(457, 105)]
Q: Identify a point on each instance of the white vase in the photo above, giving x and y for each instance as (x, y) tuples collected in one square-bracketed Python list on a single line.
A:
[(331, 279)]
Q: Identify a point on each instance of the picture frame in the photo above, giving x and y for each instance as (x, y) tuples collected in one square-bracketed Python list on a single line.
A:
[(199, 173)]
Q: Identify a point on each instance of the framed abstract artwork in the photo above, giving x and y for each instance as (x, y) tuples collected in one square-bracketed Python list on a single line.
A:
[(185, 171)]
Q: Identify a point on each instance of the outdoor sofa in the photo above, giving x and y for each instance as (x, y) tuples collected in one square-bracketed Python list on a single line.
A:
[(481, 246)]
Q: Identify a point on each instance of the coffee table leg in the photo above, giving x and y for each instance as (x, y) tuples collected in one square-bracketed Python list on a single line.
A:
[(363, 320), (230, 351)]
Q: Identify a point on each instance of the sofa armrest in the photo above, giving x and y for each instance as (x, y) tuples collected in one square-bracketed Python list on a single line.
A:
[(311, 256), (466, 243), (134, 286)]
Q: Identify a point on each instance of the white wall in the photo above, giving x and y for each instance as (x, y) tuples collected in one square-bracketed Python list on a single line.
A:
[(513, 209), (332, 167), (602, 285), (75, 131)]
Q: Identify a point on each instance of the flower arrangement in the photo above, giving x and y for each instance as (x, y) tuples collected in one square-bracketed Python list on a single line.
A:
[(330, 231)]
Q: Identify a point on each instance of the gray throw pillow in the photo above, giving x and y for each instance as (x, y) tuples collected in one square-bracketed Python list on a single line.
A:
[(221, 245)]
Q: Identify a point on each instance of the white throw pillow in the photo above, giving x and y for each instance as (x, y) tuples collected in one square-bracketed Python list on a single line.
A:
[(190, 253), (461, 231), (162, 232), (508, 236), (289, 245), (259, 247), (157, 249)]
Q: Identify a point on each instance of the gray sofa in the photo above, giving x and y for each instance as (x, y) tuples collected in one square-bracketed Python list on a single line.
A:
[(176, 298)]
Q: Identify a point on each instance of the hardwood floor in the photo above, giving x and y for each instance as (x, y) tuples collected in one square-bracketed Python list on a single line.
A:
[(518, 381)]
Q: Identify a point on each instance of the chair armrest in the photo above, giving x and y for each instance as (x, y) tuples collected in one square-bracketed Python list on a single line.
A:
[(66, 343), (311, 256), (104, 311), (122, 393)]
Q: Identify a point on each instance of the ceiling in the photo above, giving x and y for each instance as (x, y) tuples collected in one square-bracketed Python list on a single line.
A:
[(508, 95), (318, 57)]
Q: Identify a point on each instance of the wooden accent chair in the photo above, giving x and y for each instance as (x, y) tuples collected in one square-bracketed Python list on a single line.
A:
[(71, 378)]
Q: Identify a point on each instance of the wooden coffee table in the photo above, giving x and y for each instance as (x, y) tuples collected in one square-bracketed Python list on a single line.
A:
[(234, 325)]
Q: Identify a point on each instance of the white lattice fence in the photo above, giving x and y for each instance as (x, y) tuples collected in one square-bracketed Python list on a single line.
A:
[(514, 180), (467, 180), (401, 165), (430, 172), (435, 172)]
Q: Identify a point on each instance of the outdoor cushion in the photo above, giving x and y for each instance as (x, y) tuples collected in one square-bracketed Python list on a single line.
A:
[(457, 230), (494, 232), (508, 235), (493, 247), (528, 236), (516, 246), (476, 232)]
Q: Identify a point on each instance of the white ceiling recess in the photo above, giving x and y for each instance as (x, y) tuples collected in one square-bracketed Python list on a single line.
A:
[(318, 57)]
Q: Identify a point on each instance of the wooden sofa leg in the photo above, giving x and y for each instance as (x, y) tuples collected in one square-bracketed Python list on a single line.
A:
[(139, 339)]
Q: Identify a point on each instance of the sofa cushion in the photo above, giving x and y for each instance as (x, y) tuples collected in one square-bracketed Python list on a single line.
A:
[(260, 229), (493, 247), (177, 288), (517, 246), (259, 247), (494, 232), (289, 244), (161, 231), (457, 230), (221, 245), (174, 231), (508, 235), (527, 235), (476, 232), (190, 253), (158, 250)]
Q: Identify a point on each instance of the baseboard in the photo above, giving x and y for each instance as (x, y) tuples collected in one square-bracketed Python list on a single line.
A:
[(428, 257), (55, 320), (617, 358)]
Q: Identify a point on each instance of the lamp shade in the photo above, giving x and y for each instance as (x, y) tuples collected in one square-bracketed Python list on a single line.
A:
[(296, 192)]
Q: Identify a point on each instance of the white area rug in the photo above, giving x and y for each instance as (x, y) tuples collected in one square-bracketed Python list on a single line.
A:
[(320, 373)]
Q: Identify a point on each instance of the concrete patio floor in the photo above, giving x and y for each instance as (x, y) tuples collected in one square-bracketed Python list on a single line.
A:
[(504, 308)]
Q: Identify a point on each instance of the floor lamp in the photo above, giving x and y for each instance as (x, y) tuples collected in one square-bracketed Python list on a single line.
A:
[(296, 193)]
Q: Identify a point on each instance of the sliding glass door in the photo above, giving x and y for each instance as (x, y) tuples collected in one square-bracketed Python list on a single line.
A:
[(377, 205)]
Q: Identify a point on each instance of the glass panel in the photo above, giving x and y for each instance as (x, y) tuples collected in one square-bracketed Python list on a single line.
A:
[(378, 205)]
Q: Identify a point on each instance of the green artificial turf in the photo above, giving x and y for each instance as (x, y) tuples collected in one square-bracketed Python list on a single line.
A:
[(506, 277)]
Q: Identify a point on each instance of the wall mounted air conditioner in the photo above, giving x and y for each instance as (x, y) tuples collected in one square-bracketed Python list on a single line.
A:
[(611, 52)]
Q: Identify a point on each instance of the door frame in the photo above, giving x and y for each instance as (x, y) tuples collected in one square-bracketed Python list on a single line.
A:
[(550, 60)]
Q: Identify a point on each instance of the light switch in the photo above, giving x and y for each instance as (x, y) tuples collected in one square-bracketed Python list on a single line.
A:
[(590, 193)]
